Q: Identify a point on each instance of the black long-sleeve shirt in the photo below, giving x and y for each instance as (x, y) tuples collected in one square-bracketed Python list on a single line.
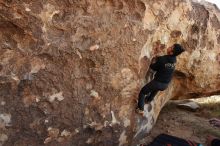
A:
[(164, 67)]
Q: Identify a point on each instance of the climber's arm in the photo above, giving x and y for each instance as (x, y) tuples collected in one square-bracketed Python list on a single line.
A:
[(155, 64)]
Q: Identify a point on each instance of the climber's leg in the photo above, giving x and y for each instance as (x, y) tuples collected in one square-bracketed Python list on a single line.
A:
[(155, 87), (151, 96), (141, 98)]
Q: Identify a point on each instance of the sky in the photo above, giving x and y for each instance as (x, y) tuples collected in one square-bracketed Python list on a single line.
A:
[(217, 2)]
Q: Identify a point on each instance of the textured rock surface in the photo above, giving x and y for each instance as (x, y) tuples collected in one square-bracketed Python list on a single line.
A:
[(70, 69)]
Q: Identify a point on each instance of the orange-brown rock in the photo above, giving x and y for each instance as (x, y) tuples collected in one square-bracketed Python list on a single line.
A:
[(77, 65)]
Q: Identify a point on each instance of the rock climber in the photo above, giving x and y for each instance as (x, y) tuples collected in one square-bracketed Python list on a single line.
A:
[(164, 67)]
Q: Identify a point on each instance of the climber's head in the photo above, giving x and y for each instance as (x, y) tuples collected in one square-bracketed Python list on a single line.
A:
[(175, 50)]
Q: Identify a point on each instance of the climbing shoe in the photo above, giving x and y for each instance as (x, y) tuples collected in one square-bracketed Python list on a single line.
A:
[(139, 111)]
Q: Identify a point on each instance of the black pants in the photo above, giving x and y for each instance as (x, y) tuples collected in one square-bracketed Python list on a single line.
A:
[(149, 91)]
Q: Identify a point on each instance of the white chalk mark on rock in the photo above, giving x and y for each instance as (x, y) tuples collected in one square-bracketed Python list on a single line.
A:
[(65, 133), (123, 139), (127, 122), (114, 120), (58, 96), (5, 119), (79, 54), (94, 47), (94, 94), (3, 103)]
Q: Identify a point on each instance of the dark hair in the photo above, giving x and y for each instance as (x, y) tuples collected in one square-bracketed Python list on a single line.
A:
[(177, 49)]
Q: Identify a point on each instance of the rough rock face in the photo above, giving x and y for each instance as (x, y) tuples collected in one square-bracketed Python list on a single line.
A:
[(70, 69)]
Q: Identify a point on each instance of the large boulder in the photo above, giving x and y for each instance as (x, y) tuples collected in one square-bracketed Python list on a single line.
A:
[(71, 69)]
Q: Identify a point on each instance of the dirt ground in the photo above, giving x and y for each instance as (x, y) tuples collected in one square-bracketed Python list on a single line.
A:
[(191, 125)]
